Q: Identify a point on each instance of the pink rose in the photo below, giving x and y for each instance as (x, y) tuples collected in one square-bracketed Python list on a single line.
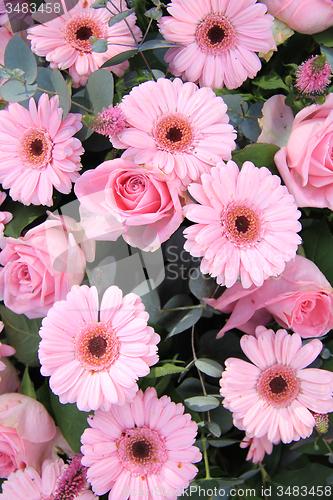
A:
[(9, 379), (300, 298), (26, 433), (120, 197), (40, 268), (304, 16), (305, 161)]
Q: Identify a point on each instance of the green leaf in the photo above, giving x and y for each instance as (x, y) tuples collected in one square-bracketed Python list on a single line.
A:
[(100, 45), (22, 334), (237, 106), (18, 55), (210, 367), (201, 285), (190, 319), (201, 490), (325, 37), (318, 244), (22, 217), (120, 58), (221, 443), (27, 387), (154, 13), (16, 91), (222, 417), (250, 126), (166, 369), (270, 81), (157, 43), (312, 475), (122, 15), (262, 155), (99, 4), (152, 305), (99, 90), (60, 87), (70, 420), (214, 429), (202, 403)]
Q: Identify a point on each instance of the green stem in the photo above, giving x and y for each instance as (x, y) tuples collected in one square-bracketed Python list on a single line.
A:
[(205, 456)]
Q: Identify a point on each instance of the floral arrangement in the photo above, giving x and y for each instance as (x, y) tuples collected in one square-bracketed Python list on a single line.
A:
[(166, 241)]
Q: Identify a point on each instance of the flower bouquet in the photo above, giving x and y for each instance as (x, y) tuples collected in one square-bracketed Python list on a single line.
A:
[(166, 241)]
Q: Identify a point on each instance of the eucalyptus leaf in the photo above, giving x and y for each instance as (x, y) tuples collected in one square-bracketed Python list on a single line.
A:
[(209, 367), (250, 126), (100, 46), (119, 17), (120, 58), (222, 443), (202, 403), (99, 4), (154, 13), (214, 428), (18, 55), (237, 107), (70, 420), (44, 82), (22, 334), (157, 43), (16, 91), (99, 90), (60, 87), (190, 319)]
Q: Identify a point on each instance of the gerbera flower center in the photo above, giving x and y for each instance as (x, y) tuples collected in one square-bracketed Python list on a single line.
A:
[(173, 133), (97, 346), (278, 385), (215, 34), (142, 451), (79, 29), (35, 148), (243, 224)]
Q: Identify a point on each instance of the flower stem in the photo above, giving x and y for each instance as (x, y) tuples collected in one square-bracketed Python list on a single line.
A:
[(205, 456)]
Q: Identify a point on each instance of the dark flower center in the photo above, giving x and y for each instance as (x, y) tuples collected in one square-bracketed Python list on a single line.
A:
[(84, 33), (36, 147), (97, 346), (215, 34), (174, 134), (278, 385), (242, 224), (141, 450)]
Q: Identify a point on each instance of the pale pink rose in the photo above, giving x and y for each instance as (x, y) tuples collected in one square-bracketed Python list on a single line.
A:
[(40, 268), (120, 197), (304, 162), (304, 16), (9, 379), (26, 433), (300, 298)]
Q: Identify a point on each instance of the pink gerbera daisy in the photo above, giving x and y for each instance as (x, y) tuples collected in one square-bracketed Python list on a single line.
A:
[(64, 41), (257, 448), (179, 129), (275, 394), (5, 217), (144, 446), (221, 38), (38, 150), (93, 361), (57, 482), (246, 224)]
